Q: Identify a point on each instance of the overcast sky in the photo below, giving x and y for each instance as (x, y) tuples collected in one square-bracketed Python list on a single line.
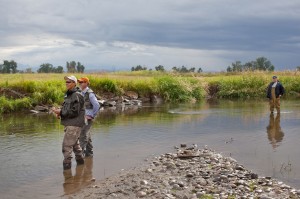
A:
[(119, 34)]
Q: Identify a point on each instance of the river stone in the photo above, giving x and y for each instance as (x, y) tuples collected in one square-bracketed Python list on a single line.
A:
[(183, 145), (201, 181), (131, 94), (174, 183), (141, 194), (144, 182), (171, 165)]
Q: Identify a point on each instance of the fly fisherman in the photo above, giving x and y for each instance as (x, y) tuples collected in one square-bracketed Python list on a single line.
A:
[(91, 109), (274, 92), (72, 117)]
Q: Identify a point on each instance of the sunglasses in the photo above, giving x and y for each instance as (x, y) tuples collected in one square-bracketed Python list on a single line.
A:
[(68, 82), (81, 82)]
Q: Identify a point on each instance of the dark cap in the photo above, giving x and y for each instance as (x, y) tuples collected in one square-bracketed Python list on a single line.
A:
[(274, 77)]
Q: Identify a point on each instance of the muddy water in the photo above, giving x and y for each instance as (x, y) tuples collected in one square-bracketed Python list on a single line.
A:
[(31, 159)]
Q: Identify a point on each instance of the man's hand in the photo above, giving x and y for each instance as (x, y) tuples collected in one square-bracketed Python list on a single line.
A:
[(56, 111), (88, 117)]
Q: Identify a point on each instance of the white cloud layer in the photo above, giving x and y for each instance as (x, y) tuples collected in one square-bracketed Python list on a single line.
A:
[(119, 34)]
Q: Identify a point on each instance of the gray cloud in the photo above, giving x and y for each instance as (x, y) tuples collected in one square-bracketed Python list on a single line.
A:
[(113, 33)]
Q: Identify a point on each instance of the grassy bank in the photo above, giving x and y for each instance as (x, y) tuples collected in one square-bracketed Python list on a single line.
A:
[(49, 88)]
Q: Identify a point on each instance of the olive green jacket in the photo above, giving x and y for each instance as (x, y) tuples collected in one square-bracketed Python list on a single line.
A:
[(73, 112)]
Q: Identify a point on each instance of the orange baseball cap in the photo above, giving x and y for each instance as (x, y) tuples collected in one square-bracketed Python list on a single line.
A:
[(84, 79)]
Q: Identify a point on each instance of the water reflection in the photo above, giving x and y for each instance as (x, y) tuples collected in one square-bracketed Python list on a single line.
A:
[(275, 134), (124, 137), (83, 177)]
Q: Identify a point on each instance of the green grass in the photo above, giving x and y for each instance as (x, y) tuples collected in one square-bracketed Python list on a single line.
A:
[(172, 87), (9, 105)]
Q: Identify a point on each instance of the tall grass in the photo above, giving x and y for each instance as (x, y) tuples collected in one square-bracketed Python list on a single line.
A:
[(179, 89), (252, 85), (9, 105), (50, 88)]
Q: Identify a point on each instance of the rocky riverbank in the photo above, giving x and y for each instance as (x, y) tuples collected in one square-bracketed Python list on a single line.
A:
[(189, 173)]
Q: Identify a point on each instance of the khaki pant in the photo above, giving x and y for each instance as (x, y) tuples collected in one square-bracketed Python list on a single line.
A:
[(71, 143), (274, 102), (86, 139)]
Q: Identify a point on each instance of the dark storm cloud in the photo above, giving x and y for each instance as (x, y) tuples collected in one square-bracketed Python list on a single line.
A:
[(231, 29)]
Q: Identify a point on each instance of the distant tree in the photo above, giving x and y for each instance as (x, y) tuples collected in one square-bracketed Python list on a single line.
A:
[(192, 69), (59, 69), (250, 66), (261, 63), (9, 66), (159, 68), (48, 68), (298, 68), (71, 67), (264, 64), (28, 70), (229, 69), (138, 68), (237, 66), (45, 68), (175, 69), (199, 70), (13, 66), (80, 67), (184, 69)]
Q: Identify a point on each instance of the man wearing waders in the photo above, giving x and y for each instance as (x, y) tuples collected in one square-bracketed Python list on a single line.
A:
[(274, 92), (72, 117), (91, 109)]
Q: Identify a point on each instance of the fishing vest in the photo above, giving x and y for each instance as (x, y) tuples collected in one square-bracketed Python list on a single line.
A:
[(87, 102)]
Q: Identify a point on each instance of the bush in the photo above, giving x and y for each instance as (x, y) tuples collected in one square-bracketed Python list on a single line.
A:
[(9, 105), (173, 89)]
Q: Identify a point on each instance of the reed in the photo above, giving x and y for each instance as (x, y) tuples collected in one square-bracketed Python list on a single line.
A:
[(9, 105), (172, 87)]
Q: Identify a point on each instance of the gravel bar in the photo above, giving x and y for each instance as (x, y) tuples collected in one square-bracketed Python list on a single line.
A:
[(188, 173)]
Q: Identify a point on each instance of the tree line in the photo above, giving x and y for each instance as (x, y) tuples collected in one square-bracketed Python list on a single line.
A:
[(161, 68), (72, 67), (261, 63)]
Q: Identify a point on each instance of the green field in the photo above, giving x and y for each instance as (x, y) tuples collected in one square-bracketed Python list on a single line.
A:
[(48, 89)]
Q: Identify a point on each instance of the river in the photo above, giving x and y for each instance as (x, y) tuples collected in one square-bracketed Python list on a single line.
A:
[(31, 157)]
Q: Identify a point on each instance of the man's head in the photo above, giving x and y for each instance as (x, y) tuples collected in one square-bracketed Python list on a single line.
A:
[(70, 82), (83, 82), (274, 78)]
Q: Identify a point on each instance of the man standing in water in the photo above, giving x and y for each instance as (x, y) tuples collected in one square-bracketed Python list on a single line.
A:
[(72, 117), (274, 92), (91, 109)]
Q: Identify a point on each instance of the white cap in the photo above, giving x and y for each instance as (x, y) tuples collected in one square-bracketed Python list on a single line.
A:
[(72, 77)]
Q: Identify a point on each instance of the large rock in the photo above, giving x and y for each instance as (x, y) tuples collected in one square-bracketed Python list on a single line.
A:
[(131, 94), (9, 93)]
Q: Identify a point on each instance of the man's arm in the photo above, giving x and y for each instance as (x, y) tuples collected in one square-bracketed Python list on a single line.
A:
[(95, 104)]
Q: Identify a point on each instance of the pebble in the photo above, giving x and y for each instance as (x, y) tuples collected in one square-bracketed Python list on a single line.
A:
[(206, 175)]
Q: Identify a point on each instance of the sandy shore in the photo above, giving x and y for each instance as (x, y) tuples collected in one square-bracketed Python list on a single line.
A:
[(188, 173)]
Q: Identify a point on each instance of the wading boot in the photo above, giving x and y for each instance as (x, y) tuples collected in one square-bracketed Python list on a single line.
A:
[(80, 161), (67, 165), (88, 153)]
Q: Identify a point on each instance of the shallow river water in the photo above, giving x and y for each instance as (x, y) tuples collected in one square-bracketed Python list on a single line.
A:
[(31, 158)]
